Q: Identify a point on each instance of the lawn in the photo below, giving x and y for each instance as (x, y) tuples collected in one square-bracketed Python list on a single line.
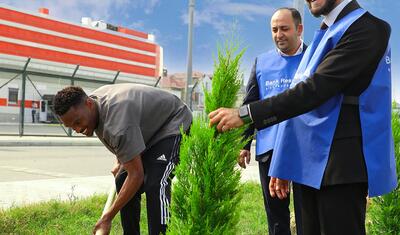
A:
[(79, 216)]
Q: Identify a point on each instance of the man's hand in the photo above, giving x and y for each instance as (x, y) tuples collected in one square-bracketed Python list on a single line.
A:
[(226, 119), (132, 183), (278, 187), (244, 158), (103, 226)]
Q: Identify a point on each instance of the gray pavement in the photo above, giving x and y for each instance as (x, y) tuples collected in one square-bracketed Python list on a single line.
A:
[(35, 169), (31, 174), (18, 193), (48, 141), (33, 129)]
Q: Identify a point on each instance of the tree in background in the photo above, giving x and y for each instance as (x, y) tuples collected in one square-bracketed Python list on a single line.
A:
[(384, 211), (206, 195)]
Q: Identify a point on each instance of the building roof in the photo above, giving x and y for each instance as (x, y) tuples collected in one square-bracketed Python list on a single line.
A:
[(43, 38), (178, 80)]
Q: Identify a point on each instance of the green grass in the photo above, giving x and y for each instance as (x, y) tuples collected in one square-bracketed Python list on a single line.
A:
[(54, 217), (79, 216), (252, 213)]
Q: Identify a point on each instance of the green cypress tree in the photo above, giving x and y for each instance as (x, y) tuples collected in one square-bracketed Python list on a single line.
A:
[(206, 195), (384, 211)]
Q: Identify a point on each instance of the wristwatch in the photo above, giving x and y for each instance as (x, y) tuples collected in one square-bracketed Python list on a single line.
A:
[(244, 114)]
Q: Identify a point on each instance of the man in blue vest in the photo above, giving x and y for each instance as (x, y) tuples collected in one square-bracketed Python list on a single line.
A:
[(337, 141), (272, 73)]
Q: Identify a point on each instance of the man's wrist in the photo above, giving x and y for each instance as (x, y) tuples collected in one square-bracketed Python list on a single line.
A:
[(244, 114), (109, 215)]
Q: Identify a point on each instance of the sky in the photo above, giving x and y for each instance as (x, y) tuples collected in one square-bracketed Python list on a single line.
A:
[(214, 20)]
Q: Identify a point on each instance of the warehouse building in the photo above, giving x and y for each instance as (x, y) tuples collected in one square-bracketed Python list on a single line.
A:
[(40, 54)]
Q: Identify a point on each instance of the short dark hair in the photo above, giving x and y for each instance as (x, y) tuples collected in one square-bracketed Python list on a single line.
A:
[(68, 97), (295, 14)]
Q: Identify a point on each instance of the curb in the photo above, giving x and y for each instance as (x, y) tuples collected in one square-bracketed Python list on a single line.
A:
[(48, 141)]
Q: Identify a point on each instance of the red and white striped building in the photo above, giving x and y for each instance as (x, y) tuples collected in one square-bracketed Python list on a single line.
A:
[(95, 51)]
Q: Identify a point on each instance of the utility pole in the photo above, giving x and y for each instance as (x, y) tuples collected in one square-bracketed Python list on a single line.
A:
[(189, 55)]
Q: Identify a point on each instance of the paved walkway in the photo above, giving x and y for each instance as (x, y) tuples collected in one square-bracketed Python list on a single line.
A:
[(18, 193), (48, 141), (67, 189)]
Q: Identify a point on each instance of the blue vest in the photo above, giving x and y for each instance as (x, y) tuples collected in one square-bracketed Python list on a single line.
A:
[(303, 143), (274, 74)]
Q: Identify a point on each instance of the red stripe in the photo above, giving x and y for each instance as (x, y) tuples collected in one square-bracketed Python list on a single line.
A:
[(28, 103), (132, 32), (36, 21), (15, 105), (42, 38), (157, 62), (27, 51), (3, 101)]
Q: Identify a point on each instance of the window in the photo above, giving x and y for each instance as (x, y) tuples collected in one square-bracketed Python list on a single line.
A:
[(12, 95)]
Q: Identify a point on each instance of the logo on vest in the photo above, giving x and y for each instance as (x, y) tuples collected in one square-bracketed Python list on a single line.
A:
[(278, 83), (388, 60)]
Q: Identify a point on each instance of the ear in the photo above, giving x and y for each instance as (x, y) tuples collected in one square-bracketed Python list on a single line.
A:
[(89, 102), (300, 29)]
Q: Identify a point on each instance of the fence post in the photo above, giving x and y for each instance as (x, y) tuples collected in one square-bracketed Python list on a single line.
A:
[(72, 83), (22, 104)]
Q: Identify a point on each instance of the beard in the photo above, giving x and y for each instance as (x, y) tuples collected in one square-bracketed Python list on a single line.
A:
[(324, 10)]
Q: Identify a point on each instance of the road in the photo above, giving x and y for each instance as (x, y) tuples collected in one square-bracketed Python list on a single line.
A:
[(33, 163), (34, 174), (32, 129)]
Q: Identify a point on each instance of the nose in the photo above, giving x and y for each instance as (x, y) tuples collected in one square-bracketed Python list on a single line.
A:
[(279, 33)]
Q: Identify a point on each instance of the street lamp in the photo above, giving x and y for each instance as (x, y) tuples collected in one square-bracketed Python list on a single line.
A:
[(189, 55)]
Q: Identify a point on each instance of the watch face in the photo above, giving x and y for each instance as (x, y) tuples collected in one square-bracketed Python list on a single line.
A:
[(243, 111)]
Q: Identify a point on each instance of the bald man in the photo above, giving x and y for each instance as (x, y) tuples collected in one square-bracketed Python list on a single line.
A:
[(272, 73)]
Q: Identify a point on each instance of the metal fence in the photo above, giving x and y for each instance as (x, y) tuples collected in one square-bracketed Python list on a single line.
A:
[(26, 100)]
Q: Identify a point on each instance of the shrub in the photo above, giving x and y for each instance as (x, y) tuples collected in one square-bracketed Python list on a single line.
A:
[(206, 195)]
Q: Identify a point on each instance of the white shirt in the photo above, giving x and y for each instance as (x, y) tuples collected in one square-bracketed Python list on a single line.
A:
[(330, 18), (298, 52)]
